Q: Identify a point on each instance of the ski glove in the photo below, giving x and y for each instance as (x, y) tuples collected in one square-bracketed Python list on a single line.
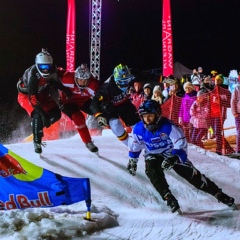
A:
[(102, 121), (132, 166), (169, 161)]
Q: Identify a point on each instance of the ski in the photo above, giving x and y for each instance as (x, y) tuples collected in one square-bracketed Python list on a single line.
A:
[(179, 212), (91, 220), (233, 155), (234, 207)]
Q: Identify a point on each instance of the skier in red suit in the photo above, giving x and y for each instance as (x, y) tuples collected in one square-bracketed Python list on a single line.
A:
[(83, 87)]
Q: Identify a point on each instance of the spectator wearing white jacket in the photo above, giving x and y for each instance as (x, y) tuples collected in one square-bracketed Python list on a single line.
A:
[(157, 94), (235, 107)]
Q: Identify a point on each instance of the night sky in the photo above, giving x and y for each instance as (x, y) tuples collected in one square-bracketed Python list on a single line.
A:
[(205, 33)]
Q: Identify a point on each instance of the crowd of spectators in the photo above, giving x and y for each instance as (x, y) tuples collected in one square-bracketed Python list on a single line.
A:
[(200, 104)]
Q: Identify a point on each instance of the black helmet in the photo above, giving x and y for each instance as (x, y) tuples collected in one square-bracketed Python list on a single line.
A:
[(150, 106)]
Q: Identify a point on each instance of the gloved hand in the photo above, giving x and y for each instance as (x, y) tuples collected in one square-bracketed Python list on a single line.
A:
[(132, 166), (169, 162), (102, 121)]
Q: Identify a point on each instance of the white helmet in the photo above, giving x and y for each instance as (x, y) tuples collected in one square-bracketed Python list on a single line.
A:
[(44, 62), (82, 76)]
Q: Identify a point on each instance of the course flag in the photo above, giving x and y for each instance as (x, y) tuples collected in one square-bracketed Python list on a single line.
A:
[(25, 185), (167, 41), (71, 36)]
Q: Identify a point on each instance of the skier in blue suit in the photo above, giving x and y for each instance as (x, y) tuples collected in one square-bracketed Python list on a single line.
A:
[(165, 148)]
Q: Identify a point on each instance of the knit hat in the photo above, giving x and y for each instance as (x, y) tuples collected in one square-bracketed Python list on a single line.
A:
[(157, 88), (200, 68), (214, 72), (147, 85), (188, 84), (219, 77)]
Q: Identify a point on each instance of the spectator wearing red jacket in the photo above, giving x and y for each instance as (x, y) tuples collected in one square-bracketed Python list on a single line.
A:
[(137, 96), (219, 102)]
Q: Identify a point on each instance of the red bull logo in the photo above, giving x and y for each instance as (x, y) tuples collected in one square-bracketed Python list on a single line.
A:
[(21, 201), (10, 166)]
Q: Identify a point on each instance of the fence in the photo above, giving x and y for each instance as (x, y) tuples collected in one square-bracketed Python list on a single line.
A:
[(206, 119)]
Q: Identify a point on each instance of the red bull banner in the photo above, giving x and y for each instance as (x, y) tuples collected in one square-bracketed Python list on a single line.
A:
[(25, 185), (167, 43), (71, 36)]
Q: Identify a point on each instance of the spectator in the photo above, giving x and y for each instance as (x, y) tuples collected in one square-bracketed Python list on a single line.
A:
[(184, 113), (157, 94), (196, 79), (201, 74), (137, 95), (166, 89), (199, 113), (207, 84), (214, 73), (219, 102), (235, 108), (147, 89), (176, 88)]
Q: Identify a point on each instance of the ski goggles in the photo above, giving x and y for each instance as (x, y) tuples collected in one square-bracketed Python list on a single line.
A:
[(124, 82), (44, 66)]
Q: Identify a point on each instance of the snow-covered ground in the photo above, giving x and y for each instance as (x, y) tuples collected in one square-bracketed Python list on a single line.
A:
[(125, 206)]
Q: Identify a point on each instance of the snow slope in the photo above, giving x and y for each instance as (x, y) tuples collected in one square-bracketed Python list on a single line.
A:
[(125, 206)]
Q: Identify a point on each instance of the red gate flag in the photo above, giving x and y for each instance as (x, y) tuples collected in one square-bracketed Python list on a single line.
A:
[(167, 43), (71, 36)]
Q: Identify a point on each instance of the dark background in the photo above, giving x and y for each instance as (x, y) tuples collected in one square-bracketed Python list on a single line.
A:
[(205, 33)]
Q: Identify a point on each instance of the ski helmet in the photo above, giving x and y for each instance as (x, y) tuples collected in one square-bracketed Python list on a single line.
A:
[(82, 76), (44, 63), (122, 76), (150, 107)]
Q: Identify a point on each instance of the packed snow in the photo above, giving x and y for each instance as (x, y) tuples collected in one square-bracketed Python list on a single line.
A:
[(125, 206)]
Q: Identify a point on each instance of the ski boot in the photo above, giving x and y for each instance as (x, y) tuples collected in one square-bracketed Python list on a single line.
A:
[(224, 198), (172, 203), (91, 147), (37, 147)]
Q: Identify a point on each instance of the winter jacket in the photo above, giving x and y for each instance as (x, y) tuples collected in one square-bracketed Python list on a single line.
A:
[(112, 102), (186, 104), (235, 100), (199, 113), (220, 100), (38, 88), (137, 98), (79, 96), (159, 98), (167, 138)]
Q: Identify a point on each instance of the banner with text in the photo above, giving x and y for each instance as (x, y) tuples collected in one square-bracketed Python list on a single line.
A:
[(167, 43), (25, 185), (71, 36)]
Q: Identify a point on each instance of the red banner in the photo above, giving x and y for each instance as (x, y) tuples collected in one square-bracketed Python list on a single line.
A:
[(70, 36), (167, 43)]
